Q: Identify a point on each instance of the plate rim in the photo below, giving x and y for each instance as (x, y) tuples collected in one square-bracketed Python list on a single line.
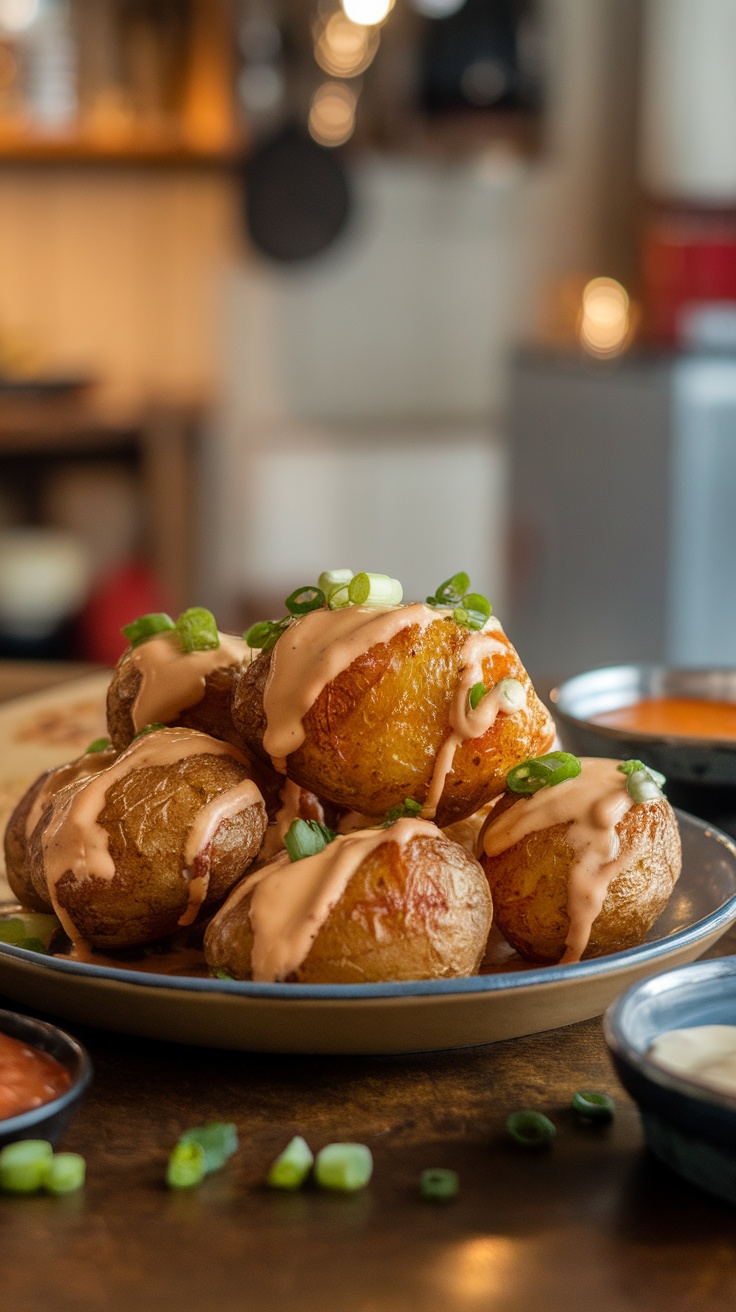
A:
[(470, 985)]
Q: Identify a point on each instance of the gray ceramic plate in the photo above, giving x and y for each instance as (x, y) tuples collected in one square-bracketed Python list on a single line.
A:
[(53, 726), (381, 1018)]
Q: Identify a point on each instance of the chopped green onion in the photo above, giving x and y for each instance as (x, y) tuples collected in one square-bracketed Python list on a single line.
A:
[(218, 1141), (221, 974), (512, 694), (593, 1106), (197, 630), (65, 1173), (305, 599), (343, 1166), (187, 1165), (408, 809), (477, 693), (23, 1165), (147, 626), (307, 838), (530, 1129), (32, 930), (451, 592), (292, 1166), (332, 581), (374, 590), (461, 616), (542, 771), (439, 1185), (148, 728), (643, 784), (265, 635), (98, 745), (478, 609)]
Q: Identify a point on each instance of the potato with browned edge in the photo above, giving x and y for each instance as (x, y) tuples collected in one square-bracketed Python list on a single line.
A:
[(417, 909), (373, 734), (147, 812), (27, 814), (210, 711), (530, 880)]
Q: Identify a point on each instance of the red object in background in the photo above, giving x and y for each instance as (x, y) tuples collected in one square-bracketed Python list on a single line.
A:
[(132, 589), (685, 258)]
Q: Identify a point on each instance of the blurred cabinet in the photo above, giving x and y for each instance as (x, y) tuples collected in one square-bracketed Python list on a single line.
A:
[(623, 536), (159, 438)]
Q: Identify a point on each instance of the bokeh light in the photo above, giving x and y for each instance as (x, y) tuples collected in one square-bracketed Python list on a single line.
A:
[(332, 114), (604, 326), (367, 12), (343, 48)]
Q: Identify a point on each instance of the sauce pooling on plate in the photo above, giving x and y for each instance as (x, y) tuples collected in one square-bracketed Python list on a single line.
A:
[(676, 717), (28, 1078), (705, 1054)]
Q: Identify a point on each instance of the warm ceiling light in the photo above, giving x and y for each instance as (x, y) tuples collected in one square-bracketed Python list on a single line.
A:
[(332, 114), (343, 48), (367, 12), (604, 326)]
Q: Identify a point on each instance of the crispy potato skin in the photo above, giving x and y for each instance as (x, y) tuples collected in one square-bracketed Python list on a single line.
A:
[(529, 883), (422, 911), (211, 715), (17, 859), (373, 734), (16, 852), (147, 816)]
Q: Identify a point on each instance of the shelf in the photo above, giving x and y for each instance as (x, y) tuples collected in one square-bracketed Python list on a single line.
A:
[(26, 148)]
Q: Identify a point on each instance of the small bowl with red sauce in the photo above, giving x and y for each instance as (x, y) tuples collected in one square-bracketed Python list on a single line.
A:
[(43, 1074), (681, 722)]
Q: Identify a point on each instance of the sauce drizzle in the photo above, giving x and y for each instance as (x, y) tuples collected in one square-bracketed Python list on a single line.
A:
[(172, 680), (591, 805), (292, 900), (75, 840)]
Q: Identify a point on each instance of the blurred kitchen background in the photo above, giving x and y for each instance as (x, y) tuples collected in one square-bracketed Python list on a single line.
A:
[(410, 287)]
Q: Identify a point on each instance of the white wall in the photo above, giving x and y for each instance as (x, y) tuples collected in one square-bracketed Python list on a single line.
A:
[(391, 352)]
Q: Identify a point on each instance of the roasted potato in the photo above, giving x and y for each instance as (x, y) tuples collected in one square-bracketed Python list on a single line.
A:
[(147, 813), (209, 682), (530, 881), (28, 812), (373, 734), (417, 909)]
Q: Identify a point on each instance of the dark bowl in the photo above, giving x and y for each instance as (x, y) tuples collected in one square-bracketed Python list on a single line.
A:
[(690, 1128), (51, 1119), (700, 772)]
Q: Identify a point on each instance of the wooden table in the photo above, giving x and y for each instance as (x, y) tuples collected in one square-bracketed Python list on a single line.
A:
[(593, 1225)]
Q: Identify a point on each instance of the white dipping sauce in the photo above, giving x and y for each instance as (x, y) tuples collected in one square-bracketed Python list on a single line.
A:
[(704, 1053)]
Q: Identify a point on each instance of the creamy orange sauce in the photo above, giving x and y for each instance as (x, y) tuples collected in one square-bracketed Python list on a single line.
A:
[(465, 722), (591, 805), (28, 1077), (60, 778), (172, 680), (674, 717), (75, 840), (292, 900), (313, 651)]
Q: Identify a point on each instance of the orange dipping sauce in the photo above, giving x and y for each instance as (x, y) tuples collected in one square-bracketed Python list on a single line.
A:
[(28, 1078), (674, 717)]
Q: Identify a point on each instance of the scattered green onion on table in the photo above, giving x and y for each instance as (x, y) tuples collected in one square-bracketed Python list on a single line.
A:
[(530, 1129), (292, 1166)]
